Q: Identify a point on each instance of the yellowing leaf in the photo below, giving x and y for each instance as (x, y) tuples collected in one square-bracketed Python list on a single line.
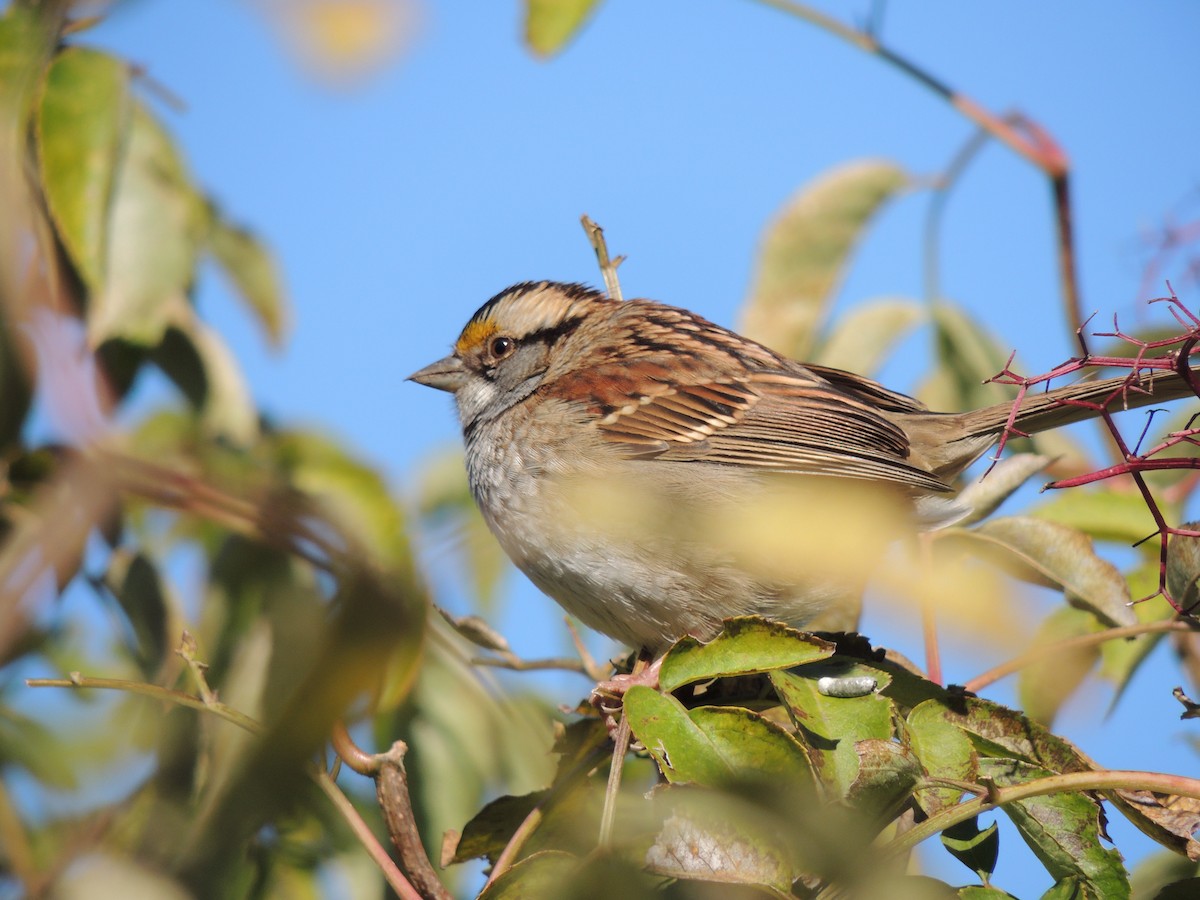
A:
[(154, 231), (83, 120), (253, 272), (551, 24), (862, 339), (805, 249)]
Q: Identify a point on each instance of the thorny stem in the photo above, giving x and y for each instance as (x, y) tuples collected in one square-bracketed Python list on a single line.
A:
[(1073, 782), (991, 676)]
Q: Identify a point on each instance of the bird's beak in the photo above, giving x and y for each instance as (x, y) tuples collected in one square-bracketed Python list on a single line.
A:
[(447, 374)]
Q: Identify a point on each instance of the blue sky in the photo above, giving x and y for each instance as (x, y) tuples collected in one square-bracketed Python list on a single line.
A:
[(397, 205)]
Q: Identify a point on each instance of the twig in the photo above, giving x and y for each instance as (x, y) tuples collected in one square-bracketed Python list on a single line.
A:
[(1072, 782), (394, 877), (933, 656), (608, 267), (392, 874), (514, 663), (620, 748), (991, 676)]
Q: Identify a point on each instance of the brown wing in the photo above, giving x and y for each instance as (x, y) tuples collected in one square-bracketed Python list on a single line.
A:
[(786, 421)]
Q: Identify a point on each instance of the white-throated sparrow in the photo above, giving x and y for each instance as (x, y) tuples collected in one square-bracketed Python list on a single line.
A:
[(632, 457)]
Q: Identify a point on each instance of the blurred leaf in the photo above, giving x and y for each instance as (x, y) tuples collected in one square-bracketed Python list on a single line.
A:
[(1121, 659), (100, 876), (1183, 568), (1105, 515), (861, 340), (832, 726), (1158, 870), (804, 252), (744, 646), (1188, 889), (154, 231), (714, 850), (24, 47), (1064, 830), (976, 848), (444, 498), (539, 875), (551, 24), (28, 744), (197, 358), (343, 41), (82, 124), (490, 830), (134, 581), (1055, 556), (967, 356), (985, 495), (1045, 684), (253, 272), (944, 751)]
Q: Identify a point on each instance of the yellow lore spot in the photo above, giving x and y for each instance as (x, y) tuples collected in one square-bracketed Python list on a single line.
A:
[(475, 334)]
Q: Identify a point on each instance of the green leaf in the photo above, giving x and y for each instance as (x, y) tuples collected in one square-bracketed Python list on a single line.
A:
[(713, 745), (1064, 830), (980, 892), (551, 24), (1105, 515), (684, 753), (944, 750), (745, 645), (976, 848), (861, 340), (83, 122), (1045, 684), (253, 272), (1188, 889), (155, 228), (985, 495), (1069, 889), (805, 250), (887, 774), (1052, 555), (832, 726)]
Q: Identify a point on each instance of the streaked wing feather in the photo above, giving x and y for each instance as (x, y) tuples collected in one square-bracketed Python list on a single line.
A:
[(778, 420)]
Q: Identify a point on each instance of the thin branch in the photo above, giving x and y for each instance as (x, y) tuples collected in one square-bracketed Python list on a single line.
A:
[(1073, 782), (608, 267), (154, 692), (1014, 665), (391, 873)]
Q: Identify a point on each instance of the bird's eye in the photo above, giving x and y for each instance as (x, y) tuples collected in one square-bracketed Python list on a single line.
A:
[(502, 346)]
